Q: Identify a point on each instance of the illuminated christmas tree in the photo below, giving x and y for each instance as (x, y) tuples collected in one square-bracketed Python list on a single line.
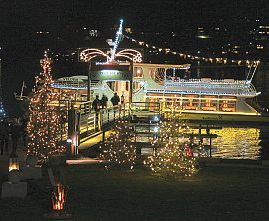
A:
[(118, 147), (172, 159), (44, 116)]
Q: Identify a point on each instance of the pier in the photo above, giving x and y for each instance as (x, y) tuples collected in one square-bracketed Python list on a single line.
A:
[(87, 128)]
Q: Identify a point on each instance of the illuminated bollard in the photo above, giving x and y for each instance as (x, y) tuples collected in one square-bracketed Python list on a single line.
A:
[(69, 146)]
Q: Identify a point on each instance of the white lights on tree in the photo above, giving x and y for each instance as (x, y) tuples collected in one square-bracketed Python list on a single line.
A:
[(44, 116), (118, 147), (169, 158)]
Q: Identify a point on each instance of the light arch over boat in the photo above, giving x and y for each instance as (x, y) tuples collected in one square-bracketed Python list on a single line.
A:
[(130, 54)]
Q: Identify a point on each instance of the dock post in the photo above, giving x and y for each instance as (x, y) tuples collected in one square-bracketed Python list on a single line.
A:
[(103, 136), (210, 147)]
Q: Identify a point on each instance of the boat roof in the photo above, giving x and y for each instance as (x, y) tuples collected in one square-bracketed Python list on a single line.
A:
[(168, 66)]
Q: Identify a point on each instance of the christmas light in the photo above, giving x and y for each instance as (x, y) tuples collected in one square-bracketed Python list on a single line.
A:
[(131, 54), (171, 159), (194, 57), (44, 118), (90, 53), (116, 42), (118, 147)]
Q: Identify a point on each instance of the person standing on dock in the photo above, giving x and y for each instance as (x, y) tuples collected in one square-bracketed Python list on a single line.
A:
[(104, 100), (96, 104), (115, 99), (122, 98), (96, 107)]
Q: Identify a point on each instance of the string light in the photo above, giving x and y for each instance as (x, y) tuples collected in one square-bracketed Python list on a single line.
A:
[(131, 54), (44, 118), (171, 159), (193, 57), (118, 147), (90, 53), (116, 42)]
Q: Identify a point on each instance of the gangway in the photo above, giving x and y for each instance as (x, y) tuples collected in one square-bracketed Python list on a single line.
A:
[(84, 123)]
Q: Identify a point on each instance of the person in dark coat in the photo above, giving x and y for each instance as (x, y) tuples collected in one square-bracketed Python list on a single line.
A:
[(96, 104), (115, 99), (104, 100), (122, 98)]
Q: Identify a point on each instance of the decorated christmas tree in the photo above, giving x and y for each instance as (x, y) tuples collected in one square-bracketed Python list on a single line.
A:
[(170, 157), (44, 116), (118, 147)]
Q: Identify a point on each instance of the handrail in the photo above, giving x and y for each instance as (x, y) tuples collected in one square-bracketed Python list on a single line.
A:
[(91, 122)]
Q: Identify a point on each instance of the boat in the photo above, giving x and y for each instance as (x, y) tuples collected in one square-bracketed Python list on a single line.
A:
[(170, 85)]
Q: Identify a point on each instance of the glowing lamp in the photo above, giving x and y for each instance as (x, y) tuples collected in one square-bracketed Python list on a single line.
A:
[(156, 118), (74, 149), (72, 143), (13, 162)]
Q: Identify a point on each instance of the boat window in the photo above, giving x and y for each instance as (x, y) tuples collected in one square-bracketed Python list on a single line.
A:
[(190, 102), (227, 104), (209, 103)]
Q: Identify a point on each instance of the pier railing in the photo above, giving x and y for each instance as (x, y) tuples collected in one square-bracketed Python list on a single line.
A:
[(83, 122)]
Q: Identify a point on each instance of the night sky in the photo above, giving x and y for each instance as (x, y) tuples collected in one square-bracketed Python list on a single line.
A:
[(21, 19), (57, 15)]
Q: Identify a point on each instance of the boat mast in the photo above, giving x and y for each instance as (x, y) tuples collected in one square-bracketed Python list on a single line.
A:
[(256, 63), (116, 42), (249, 71), (22, 88)]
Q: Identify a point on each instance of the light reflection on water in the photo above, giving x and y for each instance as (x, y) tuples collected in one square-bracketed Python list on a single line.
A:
[(236, 143), (231, 143)]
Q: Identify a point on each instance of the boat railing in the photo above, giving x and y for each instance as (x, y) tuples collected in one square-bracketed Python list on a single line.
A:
[(205, 81), (203, 85), (244, 92), (145, 107)]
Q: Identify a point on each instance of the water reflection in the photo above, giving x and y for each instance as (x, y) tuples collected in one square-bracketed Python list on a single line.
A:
[(232, 142), (237, 143)]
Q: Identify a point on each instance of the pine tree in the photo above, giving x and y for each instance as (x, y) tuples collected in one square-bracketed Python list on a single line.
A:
[(118, 147), (44, 116), (171, 159)]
